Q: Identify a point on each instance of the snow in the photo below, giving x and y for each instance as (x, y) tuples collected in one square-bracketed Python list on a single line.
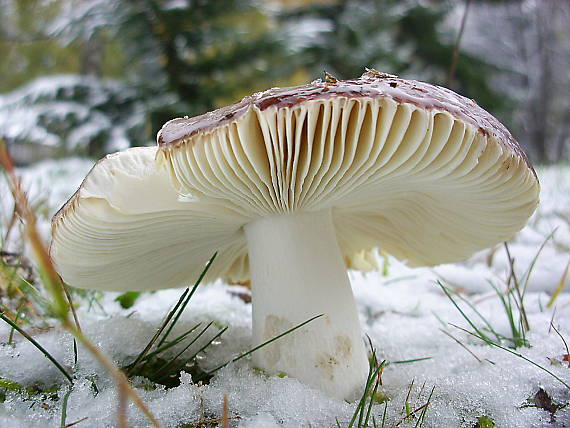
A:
[(405, 314), (83, 20), (70, 112)]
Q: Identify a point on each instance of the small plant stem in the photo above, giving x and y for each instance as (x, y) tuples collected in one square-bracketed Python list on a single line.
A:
[(64, 408), (408, 396), (421, 390), (71, 306), (225, 413), (455, 56), (122, 417), (75, 318), (72, 424), (534, 260), (415, 360), (12, 330), (37, 345), (55, 288), (563, 341), (446, 291), (552, 320), (376, 384), (384, 414)]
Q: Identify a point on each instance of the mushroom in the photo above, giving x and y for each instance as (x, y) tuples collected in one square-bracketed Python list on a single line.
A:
[(291, 185)]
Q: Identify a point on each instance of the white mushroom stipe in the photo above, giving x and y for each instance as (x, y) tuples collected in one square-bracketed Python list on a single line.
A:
[(297, 272)]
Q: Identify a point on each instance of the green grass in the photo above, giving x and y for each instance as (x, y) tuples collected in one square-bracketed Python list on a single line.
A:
[(517, 354), (479, 334), (157, 365), (485, 330), (58, 300), (146, 362), (361, 417), (128, 299), (485, 422), (167, 354), (37, 345), (512, 302)]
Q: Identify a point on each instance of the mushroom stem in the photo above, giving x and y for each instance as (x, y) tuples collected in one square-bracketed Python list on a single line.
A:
[(297, 272)]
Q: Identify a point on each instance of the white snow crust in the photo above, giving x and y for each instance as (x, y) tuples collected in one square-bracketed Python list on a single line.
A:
[(405, 314)]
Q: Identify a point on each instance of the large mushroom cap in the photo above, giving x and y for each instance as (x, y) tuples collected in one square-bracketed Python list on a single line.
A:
[(126, 229), (415, 169)]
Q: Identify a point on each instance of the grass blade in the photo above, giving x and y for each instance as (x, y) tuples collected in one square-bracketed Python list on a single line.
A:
[(473, 326), (420, 421), (144, 352), (373, 372), (169, 363), (518, 333), (490, 342), (72, 424), (517, 288), (563, 341), (371, 401), (12, 330), (173, 316), (251, 351), (409, 361), (461, 344), (183, 306), (169, 345), (37, 345), (526, 276), (64, 408), (185, 361), (384, 414)]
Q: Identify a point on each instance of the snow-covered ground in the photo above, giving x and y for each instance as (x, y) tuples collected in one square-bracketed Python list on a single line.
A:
[(403, 311)]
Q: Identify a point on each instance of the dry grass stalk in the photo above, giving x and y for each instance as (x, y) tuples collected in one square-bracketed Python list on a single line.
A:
[(56, 290)]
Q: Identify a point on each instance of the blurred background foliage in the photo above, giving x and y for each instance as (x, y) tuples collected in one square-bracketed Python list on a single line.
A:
[(89, 77)]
